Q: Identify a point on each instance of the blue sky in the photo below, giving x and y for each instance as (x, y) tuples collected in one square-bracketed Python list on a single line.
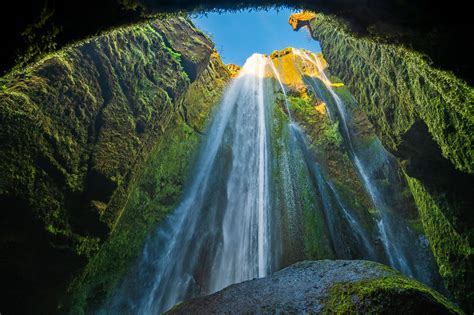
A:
[(237, 35)]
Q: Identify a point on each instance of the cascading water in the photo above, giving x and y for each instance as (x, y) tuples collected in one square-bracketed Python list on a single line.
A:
[(277, 76), (219, 234), (397, 239), (248, 178), (245, 211), (329, 199)]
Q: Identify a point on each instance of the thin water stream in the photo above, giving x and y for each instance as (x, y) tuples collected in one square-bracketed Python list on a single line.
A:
[(397, 239)]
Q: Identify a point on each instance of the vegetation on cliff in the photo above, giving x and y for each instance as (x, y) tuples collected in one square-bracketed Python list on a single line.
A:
[(156, 191), (452, 249), (84, 122), (425, 117), (389, 79)]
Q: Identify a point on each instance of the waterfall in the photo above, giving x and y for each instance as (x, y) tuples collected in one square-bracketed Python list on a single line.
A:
[(219, 233), (256, 201), (394, 242), (282, 87), (247, 194)]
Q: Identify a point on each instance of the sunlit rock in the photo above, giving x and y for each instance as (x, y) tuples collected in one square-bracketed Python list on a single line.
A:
[(234, 69), (299, 20), (320, 107)]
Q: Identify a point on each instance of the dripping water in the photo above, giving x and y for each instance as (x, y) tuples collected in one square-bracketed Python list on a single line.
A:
[(282, 87), (395, 244)]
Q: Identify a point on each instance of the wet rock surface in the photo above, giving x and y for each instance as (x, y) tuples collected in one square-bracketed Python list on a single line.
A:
[(312, 286)]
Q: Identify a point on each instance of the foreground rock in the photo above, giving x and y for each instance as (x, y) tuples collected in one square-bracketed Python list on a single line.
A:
[(325, 286)]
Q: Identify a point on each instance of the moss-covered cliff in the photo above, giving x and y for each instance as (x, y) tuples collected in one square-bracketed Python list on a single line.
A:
[(325, 143), (82, 132), (155, 193), (438, 29), (425, 117)]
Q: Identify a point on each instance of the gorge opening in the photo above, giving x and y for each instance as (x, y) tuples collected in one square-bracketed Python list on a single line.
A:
[(267, 189), (198, 162)]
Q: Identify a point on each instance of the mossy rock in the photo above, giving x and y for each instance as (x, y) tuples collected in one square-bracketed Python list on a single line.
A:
[(78, 128), (425, 117), (386, 295), (327, 287)]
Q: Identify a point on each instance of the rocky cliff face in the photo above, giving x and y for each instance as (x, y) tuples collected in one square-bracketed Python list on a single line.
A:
[(437, 29), (311, 113), (234, 69), (424, 116), (80, 131)]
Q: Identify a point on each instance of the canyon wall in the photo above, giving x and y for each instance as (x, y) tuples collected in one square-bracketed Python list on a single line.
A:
[(82, 132), (424, 116)]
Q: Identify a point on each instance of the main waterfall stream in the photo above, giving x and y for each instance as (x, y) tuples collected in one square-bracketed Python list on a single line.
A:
[(221, 232), (257, 201)]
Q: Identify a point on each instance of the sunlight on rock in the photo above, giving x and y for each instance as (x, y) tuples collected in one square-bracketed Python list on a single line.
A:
[(302, 19)]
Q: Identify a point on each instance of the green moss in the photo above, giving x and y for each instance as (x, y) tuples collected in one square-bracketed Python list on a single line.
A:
[(332, 134), (316, 242), (396, 85), (326, 143), (154, 194), (329, 134), (452, 250), (385, 294), (88, 246), (399, 91), (176, 56), (51, 109), (85, 121)]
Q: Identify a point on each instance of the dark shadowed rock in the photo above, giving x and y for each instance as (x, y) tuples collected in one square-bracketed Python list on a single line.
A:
[(77, 130), (436, 29), (325, 286)]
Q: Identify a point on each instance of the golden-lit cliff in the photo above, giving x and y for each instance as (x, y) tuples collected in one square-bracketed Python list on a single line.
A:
[(233, 69), (295, 64), (301, 19)]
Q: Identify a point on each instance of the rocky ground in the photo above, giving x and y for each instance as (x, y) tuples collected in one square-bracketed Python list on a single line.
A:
[(325, 286)]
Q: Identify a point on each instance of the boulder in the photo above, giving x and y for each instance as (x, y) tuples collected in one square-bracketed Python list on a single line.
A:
[(325, 286), (301, 19)]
